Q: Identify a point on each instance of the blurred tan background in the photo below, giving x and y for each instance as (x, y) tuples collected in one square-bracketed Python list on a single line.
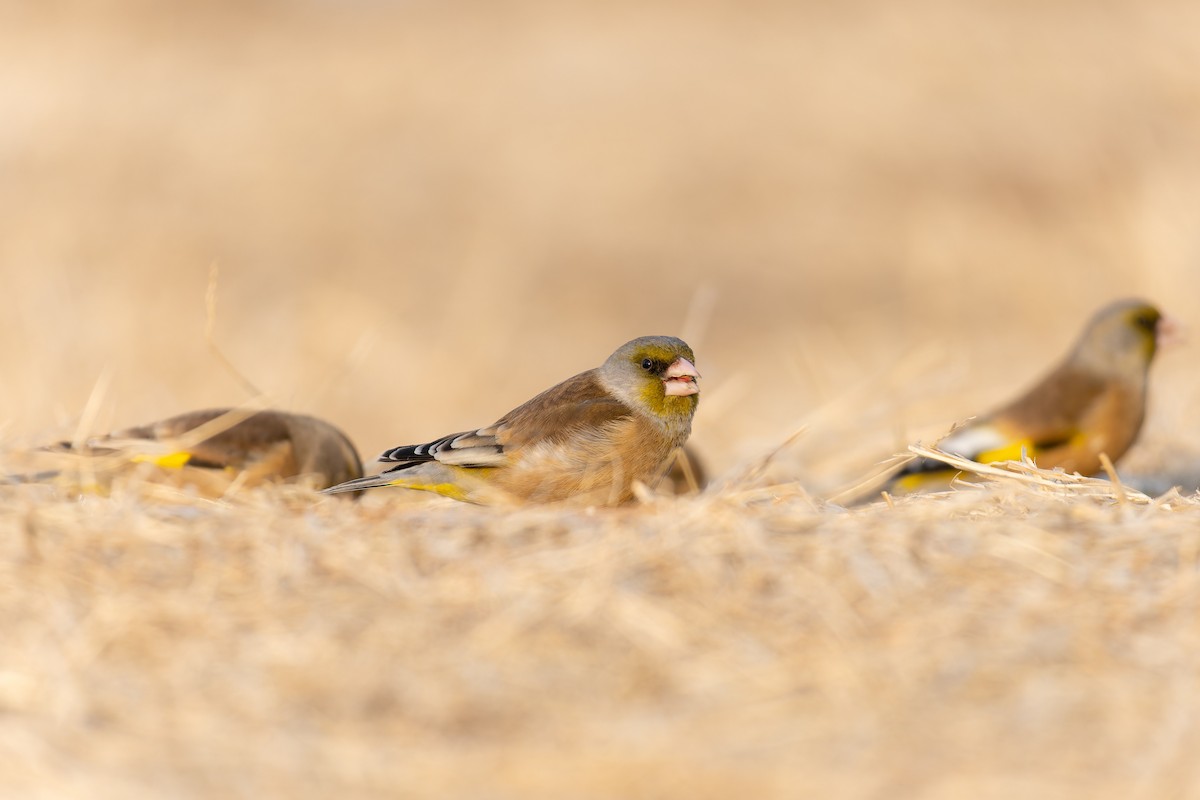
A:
[(869, 218)]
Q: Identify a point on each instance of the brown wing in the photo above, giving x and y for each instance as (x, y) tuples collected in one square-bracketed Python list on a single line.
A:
[(1054, 410), (321, 449), (578, 402), (1073, 416), (270, 444), (172, 427), (245, 440)]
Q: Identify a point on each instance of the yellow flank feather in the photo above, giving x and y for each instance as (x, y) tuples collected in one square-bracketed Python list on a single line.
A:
[(169, 461), (444, 489)]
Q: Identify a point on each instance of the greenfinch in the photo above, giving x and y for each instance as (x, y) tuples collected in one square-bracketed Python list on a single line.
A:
[(218, 445), (588, 439), (1092, 403)]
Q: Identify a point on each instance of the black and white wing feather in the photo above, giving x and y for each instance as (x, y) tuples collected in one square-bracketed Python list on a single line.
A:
[(478, 448)]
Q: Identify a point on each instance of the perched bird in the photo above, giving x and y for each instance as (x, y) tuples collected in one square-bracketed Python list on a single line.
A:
[(1093, 402), (587, 439), (215, 446)]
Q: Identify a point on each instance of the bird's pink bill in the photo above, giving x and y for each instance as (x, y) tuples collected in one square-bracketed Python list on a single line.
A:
[(680, 378), (1170, 333)]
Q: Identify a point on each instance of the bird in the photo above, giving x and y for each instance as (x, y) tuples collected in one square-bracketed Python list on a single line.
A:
[(587, 440), (217, 445), (1093, 402)]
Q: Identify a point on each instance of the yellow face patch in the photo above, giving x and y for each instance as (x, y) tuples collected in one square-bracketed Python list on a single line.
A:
[(653, 392), (1144, 321)]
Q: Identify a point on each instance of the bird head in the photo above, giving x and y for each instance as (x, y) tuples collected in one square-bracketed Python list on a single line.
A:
[(1123, 338), (655, 374)]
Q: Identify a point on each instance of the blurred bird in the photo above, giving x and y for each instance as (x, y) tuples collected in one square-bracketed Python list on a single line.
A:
[(215, 446), (587, 439), (1093, 402)]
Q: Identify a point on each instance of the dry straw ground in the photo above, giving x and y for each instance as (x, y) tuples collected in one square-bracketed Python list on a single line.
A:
[(870, 219)]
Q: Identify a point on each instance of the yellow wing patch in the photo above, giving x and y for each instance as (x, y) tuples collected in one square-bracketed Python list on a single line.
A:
[(1009, 452), (917, 481), (1014, 450), (169, 461), (941, 478)]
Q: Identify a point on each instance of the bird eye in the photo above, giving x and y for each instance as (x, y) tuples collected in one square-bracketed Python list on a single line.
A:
[(1146, 322), (647, 364)]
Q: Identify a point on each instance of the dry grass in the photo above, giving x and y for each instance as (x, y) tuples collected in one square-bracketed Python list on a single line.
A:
[(1011, 640), (423, 213)]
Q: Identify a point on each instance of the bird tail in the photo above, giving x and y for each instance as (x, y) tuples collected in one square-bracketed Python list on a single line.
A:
[(404, 481), (358, 484), (30, 477)]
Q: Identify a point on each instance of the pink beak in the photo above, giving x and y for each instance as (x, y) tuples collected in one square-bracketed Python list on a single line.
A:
[(1170, 332), (680, 378)]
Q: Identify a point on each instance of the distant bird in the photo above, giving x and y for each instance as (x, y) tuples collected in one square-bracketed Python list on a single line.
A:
[(587, 439), (256, 446), (1093, 402)]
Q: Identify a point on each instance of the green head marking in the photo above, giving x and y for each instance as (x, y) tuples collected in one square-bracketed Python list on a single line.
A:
[(1144, 319), (1121, 338), (668, 384), (655, 375)]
